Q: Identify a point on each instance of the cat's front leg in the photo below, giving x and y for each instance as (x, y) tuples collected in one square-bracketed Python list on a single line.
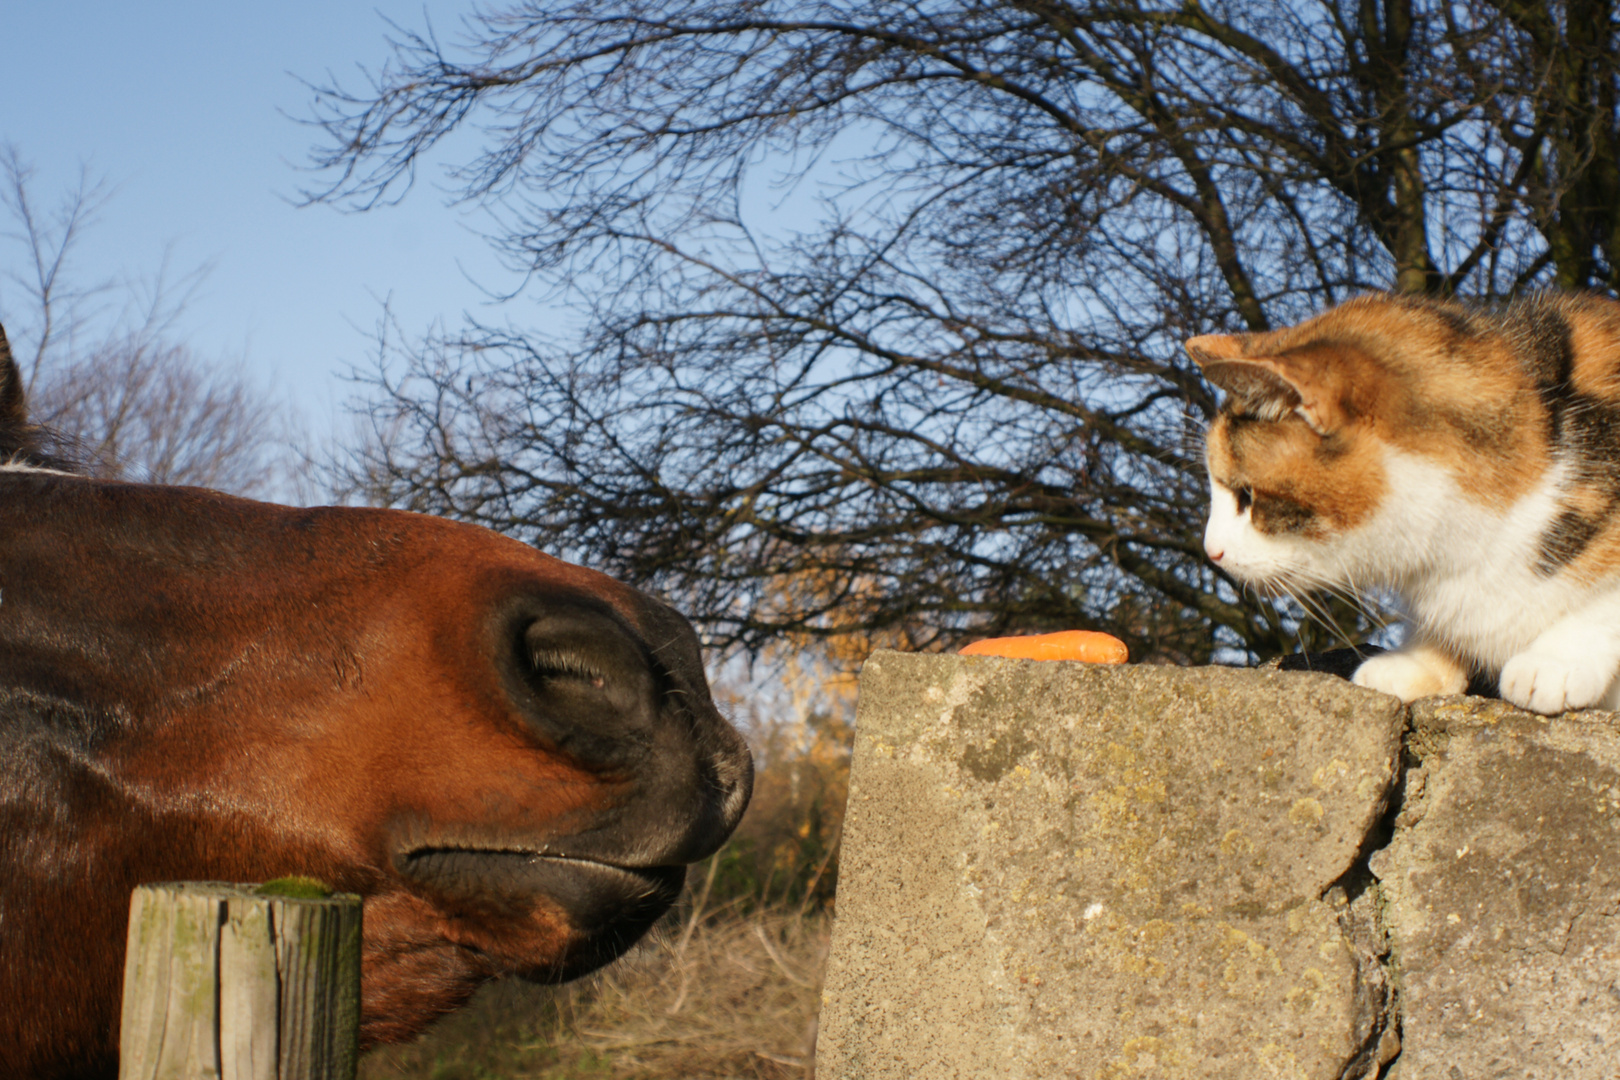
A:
[(1572, 665), (1418, 670)]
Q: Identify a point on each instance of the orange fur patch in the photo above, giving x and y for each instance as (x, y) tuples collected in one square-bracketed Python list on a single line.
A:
[(1431, 378)]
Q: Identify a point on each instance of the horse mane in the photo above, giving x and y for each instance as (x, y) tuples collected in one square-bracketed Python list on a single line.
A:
[(23, 443)]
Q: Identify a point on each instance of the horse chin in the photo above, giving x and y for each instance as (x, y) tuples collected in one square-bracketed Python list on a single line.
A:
[(521, 900)]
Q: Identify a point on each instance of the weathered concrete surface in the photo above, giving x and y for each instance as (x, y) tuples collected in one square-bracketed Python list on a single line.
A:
[(1054, 870), (1501, 894), (1057, 870)]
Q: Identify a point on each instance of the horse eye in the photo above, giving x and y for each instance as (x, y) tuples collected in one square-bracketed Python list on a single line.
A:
[(1245, 498)]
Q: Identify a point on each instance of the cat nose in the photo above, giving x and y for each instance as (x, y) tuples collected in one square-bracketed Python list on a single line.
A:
[(1214, 555)]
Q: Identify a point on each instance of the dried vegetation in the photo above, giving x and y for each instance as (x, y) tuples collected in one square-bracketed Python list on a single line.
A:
[(732, 997)]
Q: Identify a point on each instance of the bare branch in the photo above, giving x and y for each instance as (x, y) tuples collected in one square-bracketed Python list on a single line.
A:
[(949, 397), (112, 390)]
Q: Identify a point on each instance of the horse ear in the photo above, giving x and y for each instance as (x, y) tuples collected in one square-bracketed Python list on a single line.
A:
[(13, 402)]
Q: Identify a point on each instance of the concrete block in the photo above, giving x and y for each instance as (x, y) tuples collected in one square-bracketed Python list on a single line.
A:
[(1055, 870), (1060, 870), (1501, 893)]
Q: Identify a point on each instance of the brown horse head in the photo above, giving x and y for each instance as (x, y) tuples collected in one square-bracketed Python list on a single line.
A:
[(512, 759)]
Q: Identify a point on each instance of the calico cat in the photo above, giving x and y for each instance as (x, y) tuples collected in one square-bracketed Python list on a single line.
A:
[(1466, 458)]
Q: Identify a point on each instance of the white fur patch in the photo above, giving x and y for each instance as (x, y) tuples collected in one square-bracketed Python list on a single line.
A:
[(1466, 573), (20, 467), (1243, 551)]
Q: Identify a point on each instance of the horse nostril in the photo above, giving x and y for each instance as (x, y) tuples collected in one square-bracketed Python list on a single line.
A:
[(585, 684), (628, 699)]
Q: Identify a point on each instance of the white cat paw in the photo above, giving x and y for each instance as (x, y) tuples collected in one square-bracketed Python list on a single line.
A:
[(1550, 683), (1410, 676)]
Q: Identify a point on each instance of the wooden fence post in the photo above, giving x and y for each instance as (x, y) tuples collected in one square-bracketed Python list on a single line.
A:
[(237, 982)]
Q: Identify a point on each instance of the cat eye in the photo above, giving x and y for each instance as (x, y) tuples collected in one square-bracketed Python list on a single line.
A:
[(1245, 498)]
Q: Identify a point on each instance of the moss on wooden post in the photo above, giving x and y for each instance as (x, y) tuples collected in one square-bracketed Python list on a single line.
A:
[(241, 983)]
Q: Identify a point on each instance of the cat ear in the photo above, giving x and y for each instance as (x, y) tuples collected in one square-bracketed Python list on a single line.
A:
[(1207, 348), (1256, 385), (1266, 387)]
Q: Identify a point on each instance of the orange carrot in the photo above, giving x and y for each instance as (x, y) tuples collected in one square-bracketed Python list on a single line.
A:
[(1088, 646)]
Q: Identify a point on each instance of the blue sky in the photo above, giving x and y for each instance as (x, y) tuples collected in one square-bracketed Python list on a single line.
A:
[(182, 107)]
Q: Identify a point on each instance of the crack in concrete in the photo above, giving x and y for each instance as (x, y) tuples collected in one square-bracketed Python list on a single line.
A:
[(1360, 897)]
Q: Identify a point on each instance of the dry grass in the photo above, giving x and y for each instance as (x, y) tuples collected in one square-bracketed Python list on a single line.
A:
[(726, 997)]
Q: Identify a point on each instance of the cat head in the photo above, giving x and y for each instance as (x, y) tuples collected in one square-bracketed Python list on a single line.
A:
[(1340, 441)]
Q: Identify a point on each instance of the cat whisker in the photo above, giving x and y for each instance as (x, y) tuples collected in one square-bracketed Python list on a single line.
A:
[(1324, 617), (1310, 606), (1342, 584), (1358, 598)]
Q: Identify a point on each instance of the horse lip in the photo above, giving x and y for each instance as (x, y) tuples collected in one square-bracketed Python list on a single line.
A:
[(501, 880), (499, 897), (405, 858)]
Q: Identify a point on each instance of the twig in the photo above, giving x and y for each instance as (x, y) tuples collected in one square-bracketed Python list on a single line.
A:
[(810, 889), (776, 958), (783, 1059), (686, 935), (604, 1040)]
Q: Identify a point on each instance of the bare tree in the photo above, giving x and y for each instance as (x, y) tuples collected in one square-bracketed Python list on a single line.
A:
[(56, 309), (103, 373), (156, 412), (958, 400)]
